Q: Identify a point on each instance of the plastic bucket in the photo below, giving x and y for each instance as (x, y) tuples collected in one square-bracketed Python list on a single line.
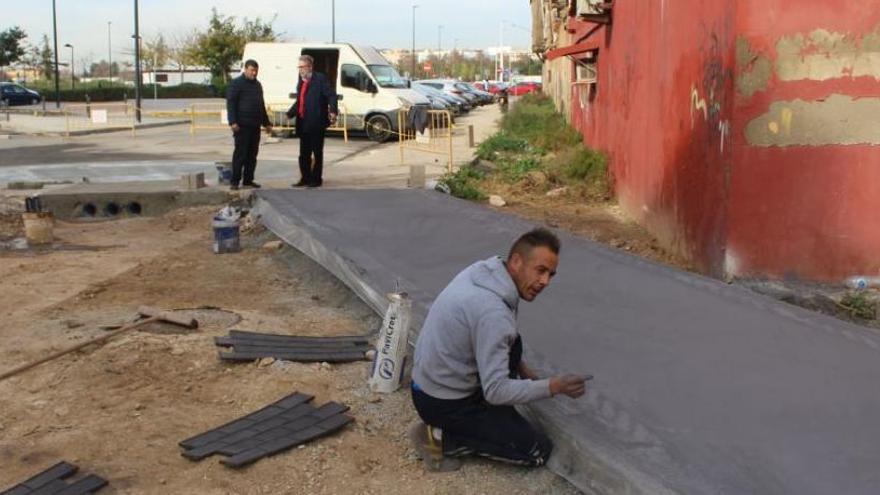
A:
[(38, 227), (226, 234), (224, 172)]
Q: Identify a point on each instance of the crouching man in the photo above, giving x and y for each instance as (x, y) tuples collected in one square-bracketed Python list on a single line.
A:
[(468, 371)]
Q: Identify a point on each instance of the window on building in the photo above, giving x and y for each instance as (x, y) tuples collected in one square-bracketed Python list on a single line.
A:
[(586, 69), (161, 78)]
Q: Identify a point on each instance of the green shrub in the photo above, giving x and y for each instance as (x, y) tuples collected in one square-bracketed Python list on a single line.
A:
[(500, 142), (583, 163), (535, 119), (464, 184), (516, 170), (859, 306)]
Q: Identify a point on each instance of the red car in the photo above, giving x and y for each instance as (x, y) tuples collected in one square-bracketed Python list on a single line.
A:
[(524, 88), (494, 87)]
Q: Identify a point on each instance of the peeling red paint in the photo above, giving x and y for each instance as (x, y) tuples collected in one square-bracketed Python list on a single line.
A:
[(804, 212)]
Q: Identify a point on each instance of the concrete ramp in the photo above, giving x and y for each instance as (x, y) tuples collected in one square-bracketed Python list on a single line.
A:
[(700, 387)]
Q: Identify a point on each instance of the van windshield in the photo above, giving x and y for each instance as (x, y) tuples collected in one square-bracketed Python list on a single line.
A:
[(387, 76)]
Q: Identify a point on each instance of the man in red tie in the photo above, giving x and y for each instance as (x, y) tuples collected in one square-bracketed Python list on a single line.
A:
[(315, 109)]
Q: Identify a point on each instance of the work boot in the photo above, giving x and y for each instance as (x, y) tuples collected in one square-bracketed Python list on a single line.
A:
[(252, 185), (428, 444), (233, 187), (301, 183)]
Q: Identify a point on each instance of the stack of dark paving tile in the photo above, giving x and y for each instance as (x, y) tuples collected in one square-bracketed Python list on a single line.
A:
[(247, 346), (52, 482), (275, 428)]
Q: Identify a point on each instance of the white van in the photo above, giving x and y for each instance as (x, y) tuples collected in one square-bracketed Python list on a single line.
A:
[(370, 89)]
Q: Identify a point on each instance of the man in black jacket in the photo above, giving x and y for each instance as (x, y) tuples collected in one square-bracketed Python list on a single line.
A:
[(246, 112), (315, 109)]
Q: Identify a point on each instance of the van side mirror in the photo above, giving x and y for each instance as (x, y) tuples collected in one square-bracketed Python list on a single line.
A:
[(338, 97), (371, 86), (292, 96), (409, 83)]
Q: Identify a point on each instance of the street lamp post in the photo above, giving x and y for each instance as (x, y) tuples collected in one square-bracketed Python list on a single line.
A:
[(72, 68), (439, 50), (55, 41), (413, 74), (333, 13), (137, 64), (109, 53)]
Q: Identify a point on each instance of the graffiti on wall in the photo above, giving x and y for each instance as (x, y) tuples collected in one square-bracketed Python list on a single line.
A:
[(708, 97)]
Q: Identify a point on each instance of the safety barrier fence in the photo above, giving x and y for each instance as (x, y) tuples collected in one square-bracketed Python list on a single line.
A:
[(99, 116), (436, 136)]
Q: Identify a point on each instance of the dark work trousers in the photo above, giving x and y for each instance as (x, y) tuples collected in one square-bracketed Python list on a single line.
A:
[(473, 426), (311, 143), (244, 158)]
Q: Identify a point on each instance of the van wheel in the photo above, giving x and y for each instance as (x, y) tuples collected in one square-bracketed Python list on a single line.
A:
[(379, 128)]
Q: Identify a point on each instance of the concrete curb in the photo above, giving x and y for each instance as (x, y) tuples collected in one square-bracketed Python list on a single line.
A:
[(104, 130)]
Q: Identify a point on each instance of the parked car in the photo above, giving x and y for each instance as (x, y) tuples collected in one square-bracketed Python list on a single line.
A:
[(484, 96), (460, 100), (524, 88), (370, 89), (15, 94), (452, 87), (492, 87), (457, 105)]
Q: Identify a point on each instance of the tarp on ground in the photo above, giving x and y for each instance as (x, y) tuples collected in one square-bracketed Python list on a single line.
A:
[(701, 387)]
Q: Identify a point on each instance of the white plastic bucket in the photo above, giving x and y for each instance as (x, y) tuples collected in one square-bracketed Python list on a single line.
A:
[(226, 236)]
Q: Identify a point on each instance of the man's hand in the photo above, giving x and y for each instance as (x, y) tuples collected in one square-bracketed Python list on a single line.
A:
[(235, 128), (573, 386), (332, 119), (269, 130)]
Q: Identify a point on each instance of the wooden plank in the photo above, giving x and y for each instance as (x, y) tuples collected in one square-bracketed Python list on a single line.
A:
[(243, 334), (330, 357)]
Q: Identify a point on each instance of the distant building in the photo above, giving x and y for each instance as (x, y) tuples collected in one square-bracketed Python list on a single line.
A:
[(174, 76)]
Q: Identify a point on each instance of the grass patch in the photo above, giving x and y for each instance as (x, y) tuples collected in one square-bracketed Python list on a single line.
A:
[(516, 170), (535, 120), (858, 305), (492, 148), (465, 183)]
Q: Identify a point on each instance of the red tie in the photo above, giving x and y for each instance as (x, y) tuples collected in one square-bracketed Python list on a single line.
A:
[(302, 97)]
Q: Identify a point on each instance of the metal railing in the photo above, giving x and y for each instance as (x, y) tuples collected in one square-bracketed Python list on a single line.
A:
[(435, 138), (212, 116), (99, 116)]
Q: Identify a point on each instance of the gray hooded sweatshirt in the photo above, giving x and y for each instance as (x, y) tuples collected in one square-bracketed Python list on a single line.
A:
[(467, 336)]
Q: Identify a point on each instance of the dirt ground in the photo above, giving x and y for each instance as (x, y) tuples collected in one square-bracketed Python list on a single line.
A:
[(119, 410), (593, 218)]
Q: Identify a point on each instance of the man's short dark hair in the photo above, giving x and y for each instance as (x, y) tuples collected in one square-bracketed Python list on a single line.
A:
[(251, 63), (539, 237)]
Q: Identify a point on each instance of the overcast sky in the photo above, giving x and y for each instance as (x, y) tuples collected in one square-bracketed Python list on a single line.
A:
[(381, 23)]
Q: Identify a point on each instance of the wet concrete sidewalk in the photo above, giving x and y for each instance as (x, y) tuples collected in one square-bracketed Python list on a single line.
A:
[(700, 387)]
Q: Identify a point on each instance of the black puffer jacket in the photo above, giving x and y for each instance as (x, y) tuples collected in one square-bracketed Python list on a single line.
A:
[(244, 103)]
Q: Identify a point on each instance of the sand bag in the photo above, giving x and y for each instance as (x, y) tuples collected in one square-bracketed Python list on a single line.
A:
[(390, 360)]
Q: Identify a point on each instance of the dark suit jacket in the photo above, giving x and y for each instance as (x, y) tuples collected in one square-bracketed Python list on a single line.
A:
[(320, 100), (244, 103)]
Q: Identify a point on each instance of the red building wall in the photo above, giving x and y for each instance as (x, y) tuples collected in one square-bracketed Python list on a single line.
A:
[(665, 73), (711, 149), (805, 199)]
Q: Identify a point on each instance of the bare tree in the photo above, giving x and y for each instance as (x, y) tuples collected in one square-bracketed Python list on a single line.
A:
[(183, 52), (155, 52)]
